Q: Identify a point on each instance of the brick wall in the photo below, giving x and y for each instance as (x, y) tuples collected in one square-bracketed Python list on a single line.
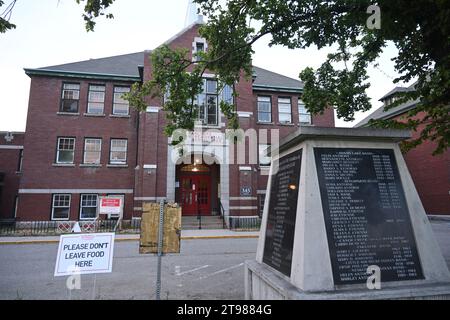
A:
[(431, 174), (147, 145), (45, 125), (9, 172)]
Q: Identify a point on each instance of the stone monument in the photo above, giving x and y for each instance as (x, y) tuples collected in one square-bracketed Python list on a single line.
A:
[(343, 220)]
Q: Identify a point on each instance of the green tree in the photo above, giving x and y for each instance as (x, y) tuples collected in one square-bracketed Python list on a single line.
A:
[(5, 16), (93, 9), (419, 30)]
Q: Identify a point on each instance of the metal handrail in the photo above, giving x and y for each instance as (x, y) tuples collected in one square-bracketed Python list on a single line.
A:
[(199, 217), (222, 213), (119, 221)]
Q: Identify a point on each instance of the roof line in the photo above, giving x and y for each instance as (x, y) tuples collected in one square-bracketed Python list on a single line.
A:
[(267, 70), (178, 34), (274, 88), (13, 132), (76, 74), (397, 112), (365, 122), (92, 59)]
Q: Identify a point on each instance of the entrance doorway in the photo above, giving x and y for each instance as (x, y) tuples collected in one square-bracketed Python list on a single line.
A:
[(197, 187), (196, 194)]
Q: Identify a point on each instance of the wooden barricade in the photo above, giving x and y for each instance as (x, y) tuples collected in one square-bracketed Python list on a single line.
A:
[(150, 228)]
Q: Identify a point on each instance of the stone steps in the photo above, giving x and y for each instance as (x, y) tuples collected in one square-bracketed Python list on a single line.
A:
[(208, 222)]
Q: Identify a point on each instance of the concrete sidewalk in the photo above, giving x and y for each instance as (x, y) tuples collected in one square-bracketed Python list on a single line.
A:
[(185, 235)]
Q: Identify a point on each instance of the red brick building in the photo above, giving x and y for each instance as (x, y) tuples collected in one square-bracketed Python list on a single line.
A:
[(11, 154), (83, 140), (431, 174)]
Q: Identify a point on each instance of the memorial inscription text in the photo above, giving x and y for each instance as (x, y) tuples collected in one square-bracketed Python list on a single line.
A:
[(366, 216), (282, 212)]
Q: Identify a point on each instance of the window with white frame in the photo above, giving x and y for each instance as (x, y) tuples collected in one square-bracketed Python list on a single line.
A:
[(207, 102), (120, 105), (264, 159), (96, 99), (284, 110), (65, 150), (61, 206), (88, 206), (264, 109), (118, 151), (70, 97), (166, 97), (92, 151), (227, 94), (304, 117), (198, 46)]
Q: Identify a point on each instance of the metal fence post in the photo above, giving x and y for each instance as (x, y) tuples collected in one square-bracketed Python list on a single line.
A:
[(160, 248)]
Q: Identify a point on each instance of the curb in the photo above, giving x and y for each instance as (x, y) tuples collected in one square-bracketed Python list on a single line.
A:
[(220, 237), (445, 218), (132, 239)]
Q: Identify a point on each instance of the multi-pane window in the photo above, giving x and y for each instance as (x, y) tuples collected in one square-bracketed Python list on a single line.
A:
[(61, 206), (199, 47), (207, 102), (227, 94), (120, 105), (70, 97), (264, 160), (264, 109), (88, 206), (92, 150), (118, 151), (166, 97), (65, 150), (211, 86), (96, 99), (284, 110), (303, 114)]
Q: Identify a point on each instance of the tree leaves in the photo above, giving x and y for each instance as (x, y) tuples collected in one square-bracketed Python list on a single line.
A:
[(420, 30), (177, 81), (93, 9), (5, 16)]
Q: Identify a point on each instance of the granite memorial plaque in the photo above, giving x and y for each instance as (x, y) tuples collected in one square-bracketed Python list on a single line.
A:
[(366, 216), (280, 230)]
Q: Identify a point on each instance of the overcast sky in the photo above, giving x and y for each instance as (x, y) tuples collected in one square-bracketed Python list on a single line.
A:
[(51, 32)]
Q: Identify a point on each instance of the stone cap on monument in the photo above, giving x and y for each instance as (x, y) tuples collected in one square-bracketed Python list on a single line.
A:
[(341, 134)]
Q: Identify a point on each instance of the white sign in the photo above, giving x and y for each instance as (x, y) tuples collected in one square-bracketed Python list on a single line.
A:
[(211, 136), (84, 253), (110, 205)]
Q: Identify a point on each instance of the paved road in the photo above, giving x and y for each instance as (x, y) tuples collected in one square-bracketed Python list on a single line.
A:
[(205, 269)]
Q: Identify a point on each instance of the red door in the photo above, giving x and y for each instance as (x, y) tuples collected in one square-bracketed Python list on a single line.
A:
[(195, 195)]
